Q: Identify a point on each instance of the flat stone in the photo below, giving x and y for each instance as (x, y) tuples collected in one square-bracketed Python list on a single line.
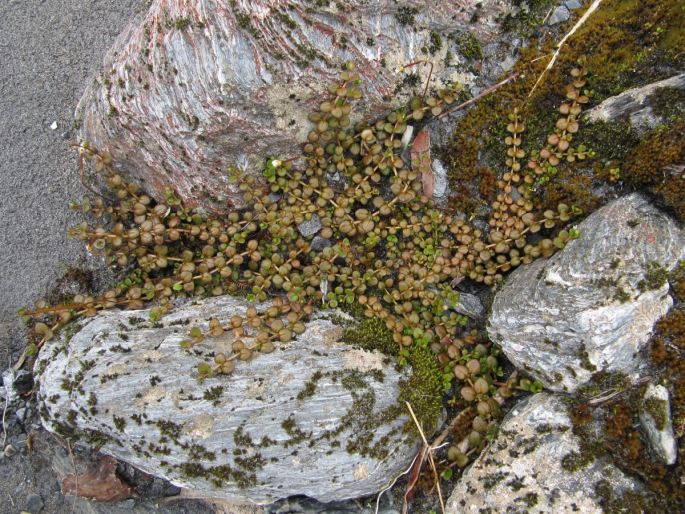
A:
[(573, 4), (560, 15), (655, 417), (528, 467), (592, 306), (470, 305), (310, 227), (313, 417)]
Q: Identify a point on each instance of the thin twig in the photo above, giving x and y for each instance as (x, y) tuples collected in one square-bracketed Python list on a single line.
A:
[(83, 178), (582, 20), (378, 498), (21, 360), (73, 465), (4, 427), (480, 95), (429, 452)]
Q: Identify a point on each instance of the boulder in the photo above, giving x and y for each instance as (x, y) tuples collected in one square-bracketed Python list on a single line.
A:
[(192, 87), (591, 307), (534, 464), (655, 418), (314, 417)]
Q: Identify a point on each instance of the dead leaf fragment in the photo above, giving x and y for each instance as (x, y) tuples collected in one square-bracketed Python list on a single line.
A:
[(421, 161), (99, 483)]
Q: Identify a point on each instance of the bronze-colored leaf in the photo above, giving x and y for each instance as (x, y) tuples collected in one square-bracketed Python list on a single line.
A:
[(99, 483)]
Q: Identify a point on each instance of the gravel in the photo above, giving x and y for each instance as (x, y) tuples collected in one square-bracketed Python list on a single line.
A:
[(50, 50)]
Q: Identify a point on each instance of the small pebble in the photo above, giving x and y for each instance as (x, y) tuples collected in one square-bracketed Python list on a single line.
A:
[(53, 126), (34, 503), (9, 450), (319, 243), (573, 4), (560, 15), (23, 381), (310, 227), (21, 414)]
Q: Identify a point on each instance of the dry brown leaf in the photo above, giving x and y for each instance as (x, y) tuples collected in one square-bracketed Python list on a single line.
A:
[(421, 161), (99, 483)]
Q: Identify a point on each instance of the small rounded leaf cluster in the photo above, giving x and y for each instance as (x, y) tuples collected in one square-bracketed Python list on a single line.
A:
[(388, 248)]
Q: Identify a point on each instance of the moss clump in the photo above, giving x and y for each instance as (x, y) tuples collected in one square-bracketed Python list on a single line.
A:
[(435, 42), (655, 277), (405, 15), (576, 461), (527, 17), (371, 334), (310, 386), (658, 410), (647, 166), (469, 46), (424, 389), (213, 394), (119, 423)]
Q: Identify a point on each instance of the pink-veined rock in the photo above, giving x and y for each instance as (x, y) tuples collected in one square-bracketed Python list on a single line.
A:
[(192, 87)]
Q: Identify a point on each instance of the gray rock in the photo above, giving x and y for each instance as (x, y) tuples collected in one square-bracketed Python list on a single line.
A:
[(304, 419), (528, 467), (8, 377), (470, 305), (310, 227), (440, 178), (9, 450), (23, 381), (560, 15), (192, 87), (34, 503), (319, 243), (21, 413), (573, 4), (587, 308), (655, 417), (634, 104)]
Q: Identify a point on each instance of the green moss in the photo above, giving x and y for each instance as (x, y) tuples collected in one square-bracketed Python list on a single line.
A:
[(527, 18), (424, 389), (169, 429), (435, 42), (310, 386), (119, 423), (371, 334), (576, 461), (405, 15), (296, 435), (199, 452), (658, 410), (213, 394), (655, 277), (469, 46)]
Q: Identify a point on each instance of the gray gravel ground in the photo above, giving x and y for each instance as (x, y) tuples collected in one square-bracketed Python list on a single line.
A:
[(49, 49)]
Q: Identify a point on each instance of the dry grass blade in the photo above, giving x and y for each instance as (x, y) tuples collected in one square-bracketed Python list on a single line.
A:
[(427, 450), (480, 95), (582, 20)]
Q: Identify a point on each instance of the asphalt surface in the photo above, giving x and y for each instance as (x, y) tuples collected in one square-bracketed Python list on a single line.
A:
[(49, 50)]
